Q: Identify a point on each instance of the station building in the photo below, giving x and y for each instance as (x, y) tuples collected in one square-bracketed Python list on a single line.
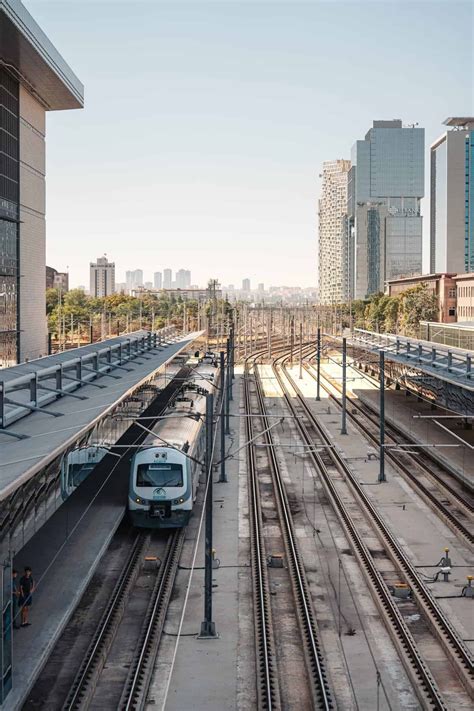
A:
[(62, 423), (34, 79)]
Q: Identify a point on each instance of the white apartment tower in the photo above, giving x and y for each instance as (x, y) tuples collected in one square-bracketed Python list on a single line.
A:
[(333, 233), (102, 277)]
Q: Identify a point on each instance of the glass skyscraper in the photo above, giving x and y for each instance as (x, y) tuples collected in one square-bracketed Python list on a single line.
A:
[(386, 184), (452, 198)]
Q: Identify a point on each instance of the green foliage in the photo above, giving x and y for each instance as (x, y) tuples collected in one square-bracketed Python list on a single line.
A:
[(119, 311), (395, 314)]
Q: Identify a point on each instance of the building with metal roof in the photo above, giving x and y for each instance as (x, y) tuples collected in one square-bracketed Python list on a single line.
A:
[(82, 399), (441, 374)]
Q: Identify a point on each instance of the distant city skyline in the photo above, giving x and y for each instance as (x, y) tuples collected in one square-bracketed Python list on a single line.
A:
[(220, 164)]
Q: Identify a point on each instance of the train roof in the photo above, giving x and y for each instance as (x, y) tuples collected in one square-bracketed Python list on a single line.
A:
[(178, 429)]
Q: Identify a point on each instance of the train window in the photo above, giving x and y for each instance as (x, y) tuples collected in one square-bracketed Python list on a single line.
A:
[(160, 474)]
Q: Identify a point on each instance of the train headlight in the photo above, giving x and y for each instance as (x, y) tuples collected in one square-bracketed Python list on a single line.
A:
[(181, 501), (138, 500)]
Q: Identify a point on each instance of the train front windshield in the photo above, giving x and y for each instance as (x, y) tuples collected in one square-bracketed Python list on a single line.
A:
[(160, 475)]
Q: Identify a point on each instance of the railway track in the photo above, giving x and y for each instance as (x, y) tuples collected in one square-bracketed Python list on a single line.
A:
[(128, 691), (329, 463), (268, 676), (453, 503)]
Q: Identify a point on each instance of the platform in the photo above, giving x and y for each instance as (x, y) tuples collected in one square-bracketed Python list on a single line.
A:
[(404, 411), (64, 554), (417, 528), (195, 673)]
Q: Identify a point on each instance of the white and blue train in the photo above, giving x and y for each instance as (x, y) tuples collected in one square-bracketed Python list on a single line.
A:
[(165, 471)]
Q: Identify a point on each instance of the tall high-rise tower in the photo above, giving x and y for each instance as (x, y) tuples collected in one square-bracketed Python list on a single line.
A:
[(167, 279), (102, 277), (333, 233), (452, 198), (386, 184)]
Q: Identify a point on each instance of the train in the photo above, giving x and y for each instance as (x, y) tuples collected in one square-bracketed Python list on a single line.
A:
[(77, 465), (165, 471)]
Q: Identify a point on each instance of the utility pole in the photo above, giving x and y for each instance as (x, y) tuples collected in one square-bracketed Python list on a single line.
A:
[(292, 338), (382, 416), (227, 390), (301, 350), (222, 476), (229, 368), (208, 627), (318, 365), (344, 375)]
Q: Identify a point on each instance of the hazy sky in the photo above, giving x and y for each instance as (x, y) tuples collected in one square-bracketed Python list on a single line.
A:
[(206, 123)]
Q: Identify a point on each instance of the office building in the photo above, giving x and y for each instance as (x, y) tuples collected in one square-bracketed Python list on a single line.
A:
[(134, 279), (157, 280), (148, 285), (386, 184), (261, 288), (452, 198), (34, 79), (183, 279), (333, 245), (57, 280), (245, 284), (167, 279), (102, 277)]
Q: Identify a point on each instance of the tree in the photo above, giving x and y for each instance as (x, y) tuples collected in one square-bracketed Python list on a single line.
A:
[(417, 304)]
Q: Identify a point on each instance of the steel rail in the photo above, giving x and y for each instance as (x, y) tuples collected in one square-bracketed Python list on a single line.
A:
[(268, 694), (445, 632), (372, 415), (93, 661), (314, 658), (136, 687), (450, 518)]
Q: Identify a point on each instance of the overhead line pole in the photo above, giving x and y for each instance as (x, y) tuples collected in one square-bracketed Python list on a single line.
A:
[(382, 417), (208, 627), (344, 396)]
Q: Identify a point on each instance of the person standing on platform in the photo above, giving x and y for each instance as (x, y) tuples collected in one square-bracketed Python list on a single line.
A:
[(27, 588), (15, 598)]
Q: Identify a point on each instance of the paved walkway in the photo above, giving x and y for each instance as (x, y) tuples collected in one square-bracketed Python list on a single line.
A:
[(203, 671), (401, 410)]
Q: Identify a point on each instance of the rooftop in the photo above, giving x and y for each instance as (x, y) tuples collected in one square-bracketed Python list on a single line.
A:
[(460, 121), (28, 53)]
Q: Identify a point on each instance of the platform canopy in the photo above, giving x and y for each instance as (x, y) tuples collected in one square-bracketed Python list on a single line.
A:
[(28, 53), (51, 402)]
